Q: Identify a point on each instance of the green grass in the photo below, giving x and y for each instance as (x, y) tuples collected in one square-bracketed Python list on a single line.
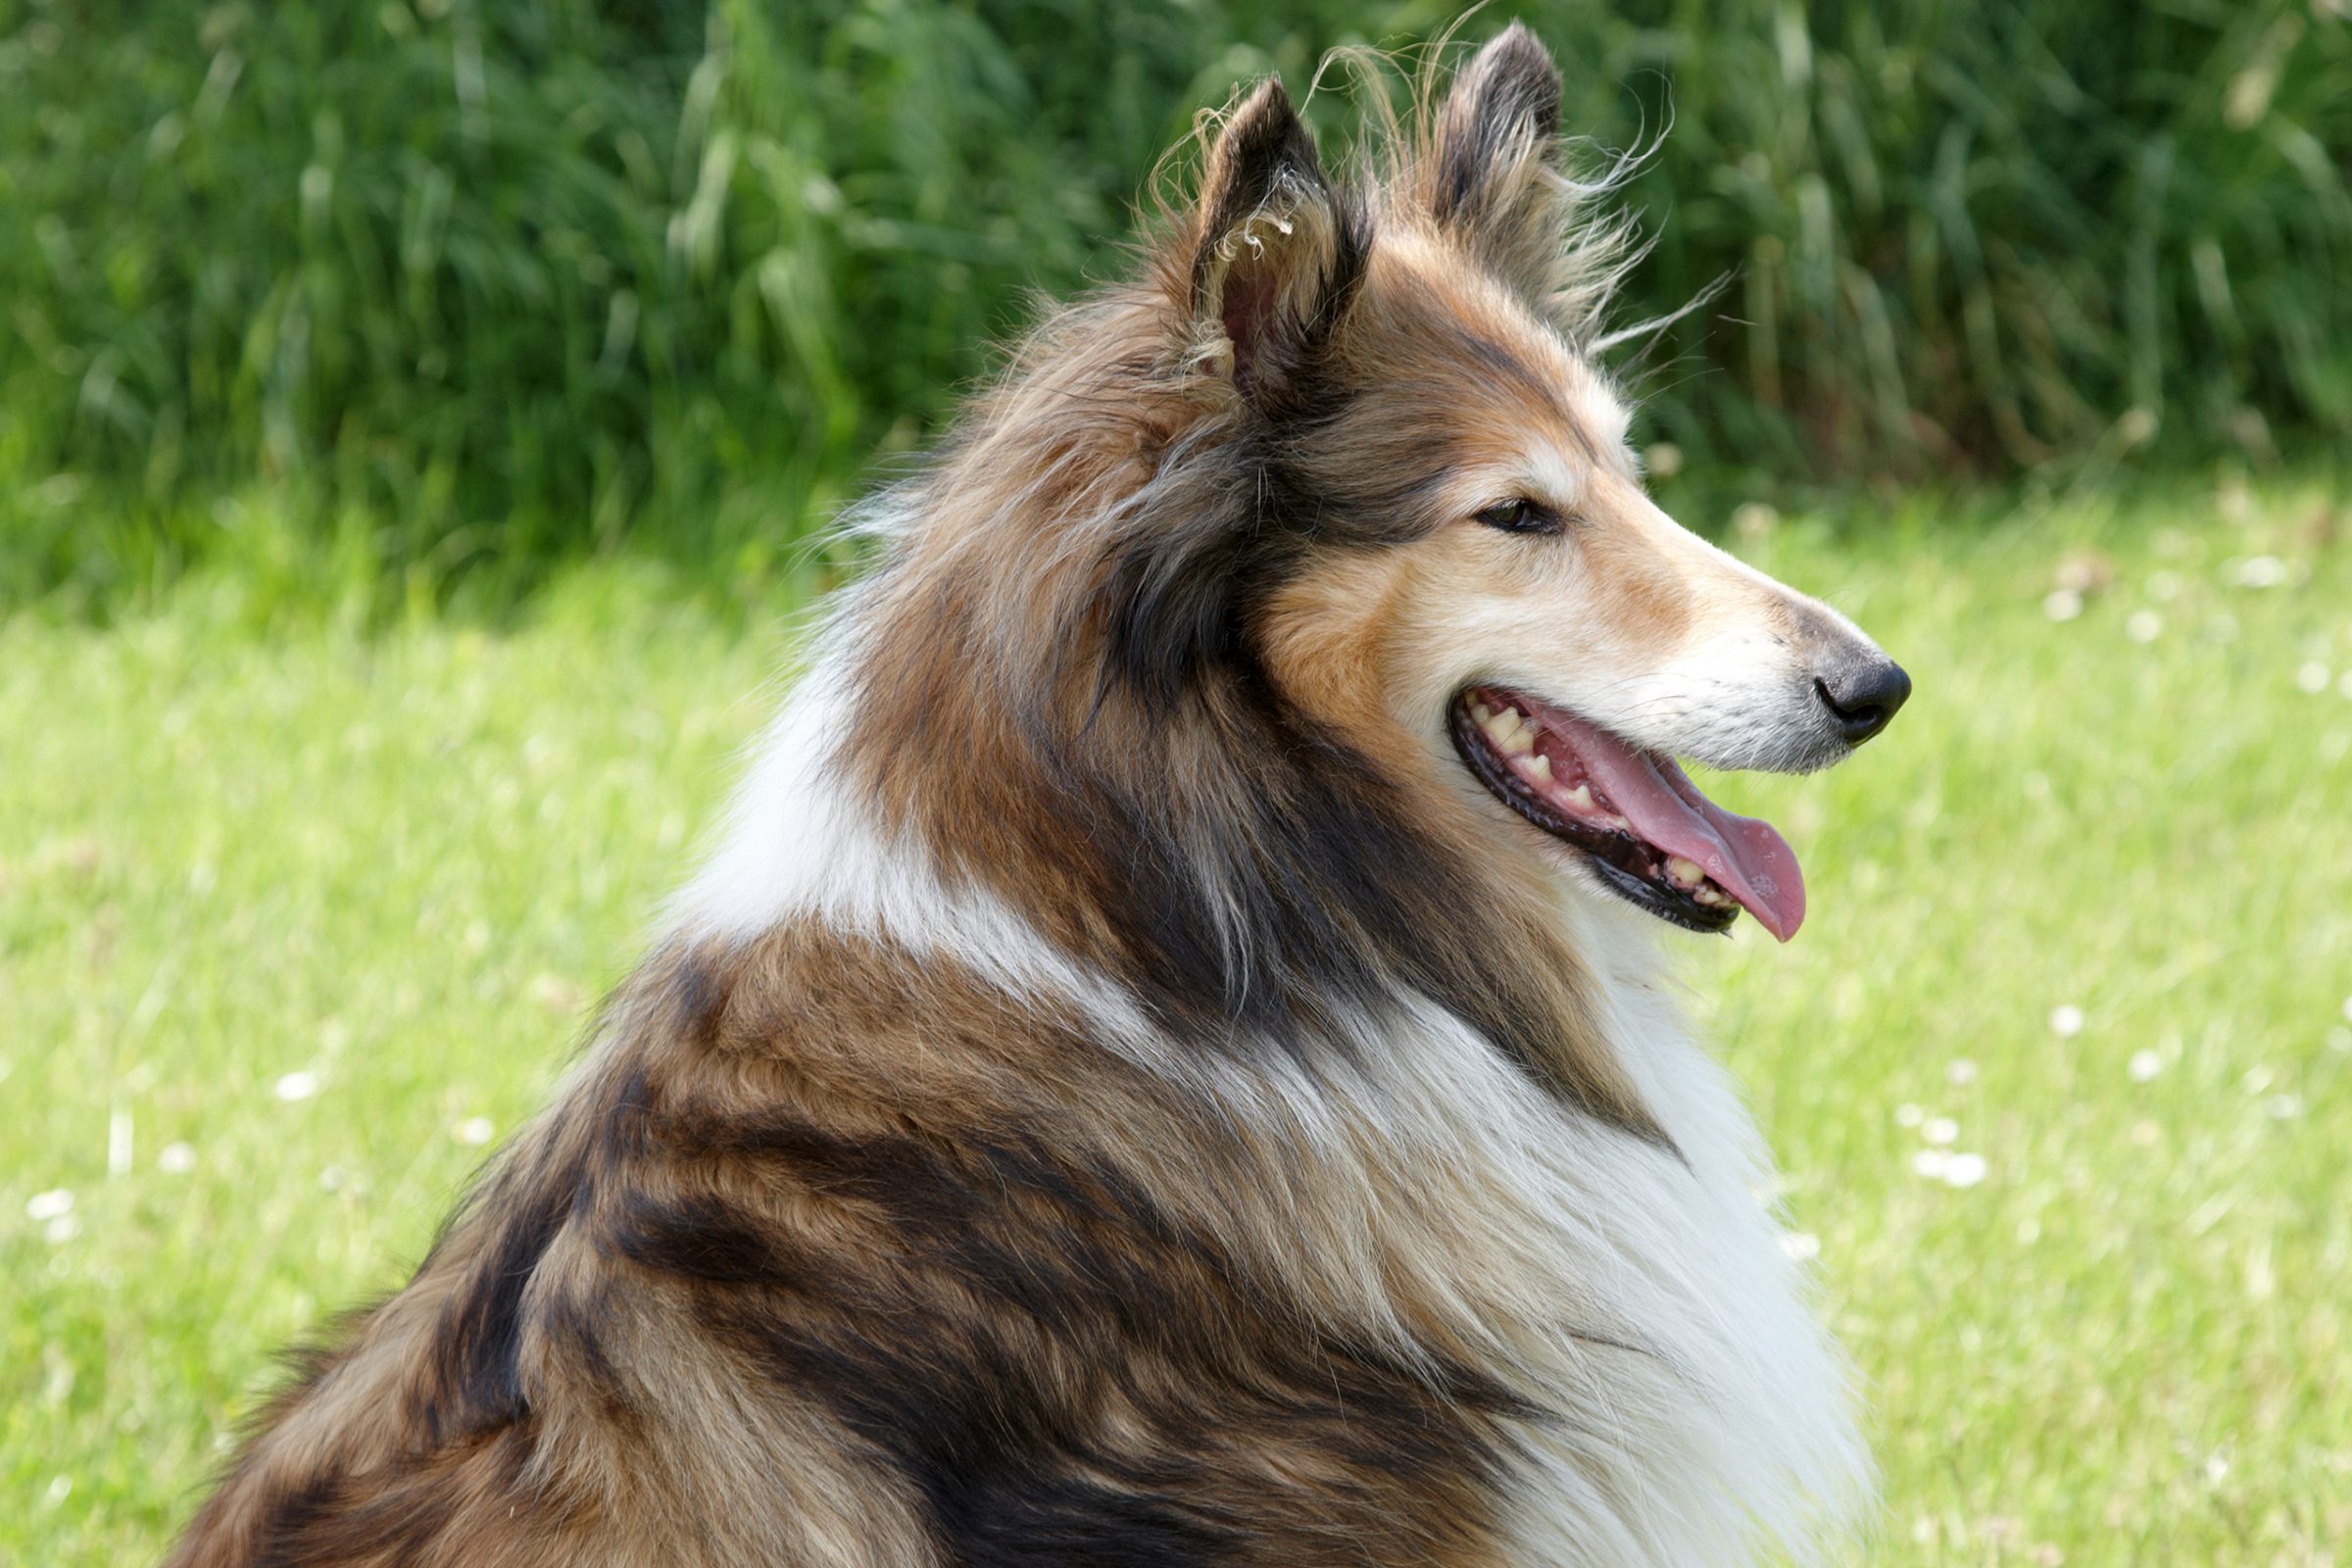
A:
[(237, 844)]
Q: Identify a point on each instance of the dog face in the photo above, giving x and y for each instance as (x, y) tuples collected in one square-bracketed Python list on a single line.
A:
[(1486, 584)]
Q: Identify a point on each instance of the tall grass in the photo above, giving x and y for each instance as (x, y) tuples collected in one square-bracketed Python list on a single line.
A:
[(478, 285)]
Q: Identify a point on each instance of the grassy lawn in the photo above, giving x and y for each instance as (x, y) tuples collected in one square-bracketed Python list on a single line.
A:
[(293, 926)]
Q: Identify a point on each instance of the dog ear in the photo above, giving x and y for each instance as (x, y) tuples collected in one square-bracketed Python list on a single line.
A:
[(1497, 179), (1275, 251)]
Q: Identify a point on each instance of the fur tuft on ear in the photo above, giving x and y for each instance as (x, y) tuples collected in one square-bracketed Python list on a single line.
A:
[(1275, 250), (1496, 178), (1493, 172), (1497, 132)]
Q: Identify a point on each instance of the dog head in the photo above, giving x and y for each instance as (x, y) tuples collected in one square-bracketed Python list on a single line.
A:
[(1289, 624), (1471, 581)]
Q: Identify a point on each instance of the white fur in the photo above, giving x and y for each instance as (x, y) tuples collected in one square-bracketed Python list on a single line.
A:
[(796, 844), (1739, 696), (1724, 1430)]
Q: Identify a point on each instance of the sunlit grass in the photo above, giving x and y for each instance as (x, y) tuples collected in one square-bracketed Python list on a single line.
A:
[(290, 925)]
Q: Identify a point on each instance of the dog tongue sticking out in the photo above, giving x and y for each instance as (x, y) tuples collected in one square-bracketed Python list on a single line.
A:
[(1746, 858), (1638, 812)]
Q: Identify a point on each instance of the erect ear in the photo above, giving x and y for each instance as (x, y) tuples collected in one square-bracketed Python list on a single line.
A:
[(1496, 180), (1274, 251)]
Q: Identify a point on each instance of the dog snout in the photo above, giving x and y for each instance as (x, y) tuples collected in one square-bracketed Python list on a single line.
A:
[(1861, 691)]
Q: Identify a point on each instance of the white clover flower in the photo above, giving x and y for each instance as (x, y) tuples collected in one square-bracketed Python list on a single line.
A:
[(2313, 678), (2062, 603), (2145, 1065), (1930, 1162), (1964, 1170), (176, 1158), (49, 1205), (2145, 627), (2067, 1021), (475, 1130), (1940, 1130), (1961, 1071), (297, 1086)]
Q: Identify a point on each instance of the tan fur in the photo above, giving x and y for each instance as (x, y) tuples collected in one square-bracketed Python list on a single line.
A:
[(745, 1083)]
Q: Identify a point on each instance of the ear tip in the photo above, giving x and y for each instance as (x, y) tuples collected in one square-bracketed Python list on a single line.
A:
[(1268, 95), (1513, 78), (1264, 112), (1516, 52), (1264, 131)]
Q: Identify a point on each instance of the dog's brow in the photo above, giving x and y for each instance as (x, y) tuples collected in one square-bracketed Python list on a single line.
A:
[(1498, 359), (1553, 478), (1591, 421), (1606, 419)]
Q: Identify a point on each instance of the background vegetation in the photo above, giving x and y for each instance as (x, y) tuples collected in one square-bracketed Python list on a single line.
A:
[(468, 287)]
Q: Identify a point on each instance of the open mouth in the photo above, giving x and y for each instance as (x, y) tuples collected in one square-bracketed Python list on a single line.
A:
[(1650, 835)]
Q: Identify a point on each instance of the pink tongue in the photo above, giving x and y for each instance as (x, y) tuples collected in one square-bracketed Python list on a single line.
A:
[(1747, 859)]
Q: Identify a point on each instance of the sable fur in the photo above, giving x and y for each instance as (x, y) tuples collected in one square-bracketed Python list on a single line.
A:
[(1118, 1095)]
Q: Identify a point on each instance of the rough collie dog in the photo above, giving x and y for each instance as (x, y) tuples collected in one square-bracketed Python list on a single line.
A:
[(1172, 1063)]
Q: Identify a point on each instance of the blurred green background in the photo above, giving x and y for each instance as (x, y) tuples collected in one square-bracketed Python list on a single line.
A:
[(473, 288), (415, 419)]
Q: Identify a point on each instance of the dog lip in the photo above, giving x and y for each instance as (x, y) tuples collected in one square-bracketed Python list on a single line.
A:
[(1620, 858)]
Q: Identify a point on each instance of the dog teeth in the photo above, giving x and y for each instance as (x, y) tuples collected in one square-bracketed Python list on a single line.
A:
[(1513, 734), (1509, 730)]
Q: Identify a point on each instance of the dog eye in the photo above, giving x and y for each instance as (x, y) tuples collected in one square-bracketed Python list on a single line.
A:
[(1520, 516)]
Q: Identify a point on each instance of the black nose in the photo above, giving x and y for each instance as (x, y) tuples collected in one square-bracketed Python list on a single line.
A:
[(1862, 696)]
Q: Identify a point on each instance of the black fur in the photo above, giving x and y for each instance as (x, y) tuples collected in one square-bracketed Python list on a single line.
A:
[(988, 1437)]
